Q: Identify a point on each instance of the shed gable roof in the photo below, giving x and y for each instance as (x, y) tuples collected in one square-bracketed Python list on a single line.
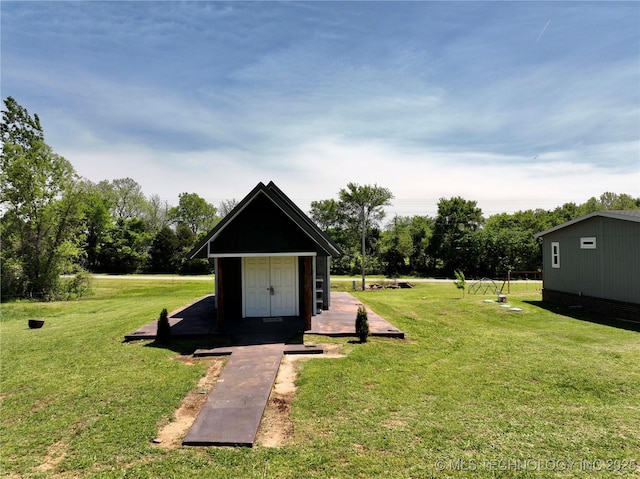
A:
[(624, 215), (306, 232)]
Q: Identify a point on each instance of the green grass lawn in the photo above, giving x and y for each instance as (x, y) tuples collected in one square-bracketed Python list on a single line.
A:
[(474, 391)]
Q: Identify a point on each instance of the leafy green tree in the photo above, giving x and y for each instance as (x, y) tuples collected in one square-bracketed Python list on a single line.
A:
[(421, 230), (186, 240), (326, 214), (126, 249), (164, 255), (128, 200), (186, 237), (363, 206), (98, 223), (458, 238), (41, 208), (566, 212), (397, 246), (611, 201), (509, 243), (156, 213), (168, 252), (404, 245), (194, 212), (226, 206), (460, 281), (452, 243), (19, 128)]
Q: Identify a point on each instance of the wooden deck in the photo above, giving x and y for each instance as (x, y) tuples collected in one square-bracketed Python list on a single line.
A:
[(199, 319)]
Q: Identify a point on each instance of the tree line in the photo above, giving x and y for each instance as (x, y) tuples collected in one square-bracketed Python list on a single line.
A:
[(55, 223), (458, 238)]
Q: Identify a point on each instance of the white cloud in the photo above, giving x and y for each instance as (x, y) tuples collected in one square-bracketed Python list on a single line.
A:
[(500, 183), (443, 100)]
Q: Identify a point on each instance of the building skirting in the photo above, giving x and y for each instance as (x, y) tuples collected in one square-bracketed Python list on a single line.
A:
[(606, 307)]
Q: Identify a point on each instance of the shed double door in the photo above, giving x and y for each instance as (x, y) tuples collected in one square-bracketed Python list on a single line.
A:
[(270, 286)]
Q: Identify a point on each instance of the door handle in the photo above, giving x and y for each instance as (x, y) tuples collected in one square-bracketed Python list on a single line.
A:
[(271, 290)]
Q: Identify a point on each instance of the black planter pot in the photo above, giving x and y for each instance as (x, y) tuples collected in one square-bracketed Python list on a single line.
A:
[(35, 323)]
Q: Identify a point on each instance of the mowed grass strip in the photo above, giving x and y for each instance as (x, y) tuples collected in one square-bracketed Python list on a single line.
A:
[(474, 391), (75, 395)]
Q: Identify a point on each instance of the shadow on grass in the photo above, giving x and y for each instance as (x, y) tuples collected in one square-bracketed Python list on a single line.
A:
[(194, 327), (187, 346), (587, 316)]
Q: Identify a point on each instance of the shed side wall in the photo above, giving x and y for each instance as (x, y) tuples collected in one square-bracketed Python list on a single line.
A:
[(610, 271)]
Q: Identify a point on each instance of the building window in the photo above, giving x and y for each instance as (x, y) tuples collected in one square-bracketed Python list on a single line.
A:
[(555, 254), (588, 242)]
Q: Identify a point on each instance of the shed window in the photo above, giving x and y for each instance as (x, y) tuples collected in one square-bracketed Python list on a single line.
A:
[(555, 254), (588, 242)]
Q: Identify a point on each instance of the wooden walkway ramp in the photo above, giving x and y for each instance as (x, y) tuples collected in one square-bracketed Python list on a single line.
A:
[(232, 413)]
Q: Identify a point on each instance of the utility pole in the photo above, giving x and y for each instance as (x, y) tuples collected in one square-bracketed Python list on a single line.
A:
[(364, 235)]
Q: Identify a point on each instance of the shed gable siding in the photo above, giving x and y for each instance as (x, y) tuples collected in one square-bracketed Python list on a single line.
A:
[(267, 224), (262, 228)]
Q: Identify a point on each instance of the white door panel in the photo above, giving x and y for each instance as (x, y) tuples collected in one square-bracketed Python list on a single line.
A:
[(257, 301), (284, 283), (270, 286)]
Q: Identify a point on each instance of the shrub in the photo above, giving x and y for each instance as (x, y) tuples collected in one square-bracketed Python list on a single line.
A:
[(77, 286), (460, 281), (362, 324), (13, 279), (164, 328)]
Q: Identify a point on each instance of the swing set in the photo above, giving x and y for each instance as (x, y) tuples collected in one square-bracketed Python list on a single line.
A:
[(537, 276), (488, 286)]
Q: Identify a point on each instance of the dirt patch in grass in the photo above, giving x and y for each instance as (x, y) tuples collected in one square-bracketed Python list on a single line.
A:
[(276, 427), (55, 454), (331, 350), (4, 396), (57, 451), (170, 435)]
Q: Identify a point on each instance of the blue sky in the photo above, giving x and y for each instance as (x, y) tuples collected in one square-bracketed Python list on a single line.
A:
[(515, 105)]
